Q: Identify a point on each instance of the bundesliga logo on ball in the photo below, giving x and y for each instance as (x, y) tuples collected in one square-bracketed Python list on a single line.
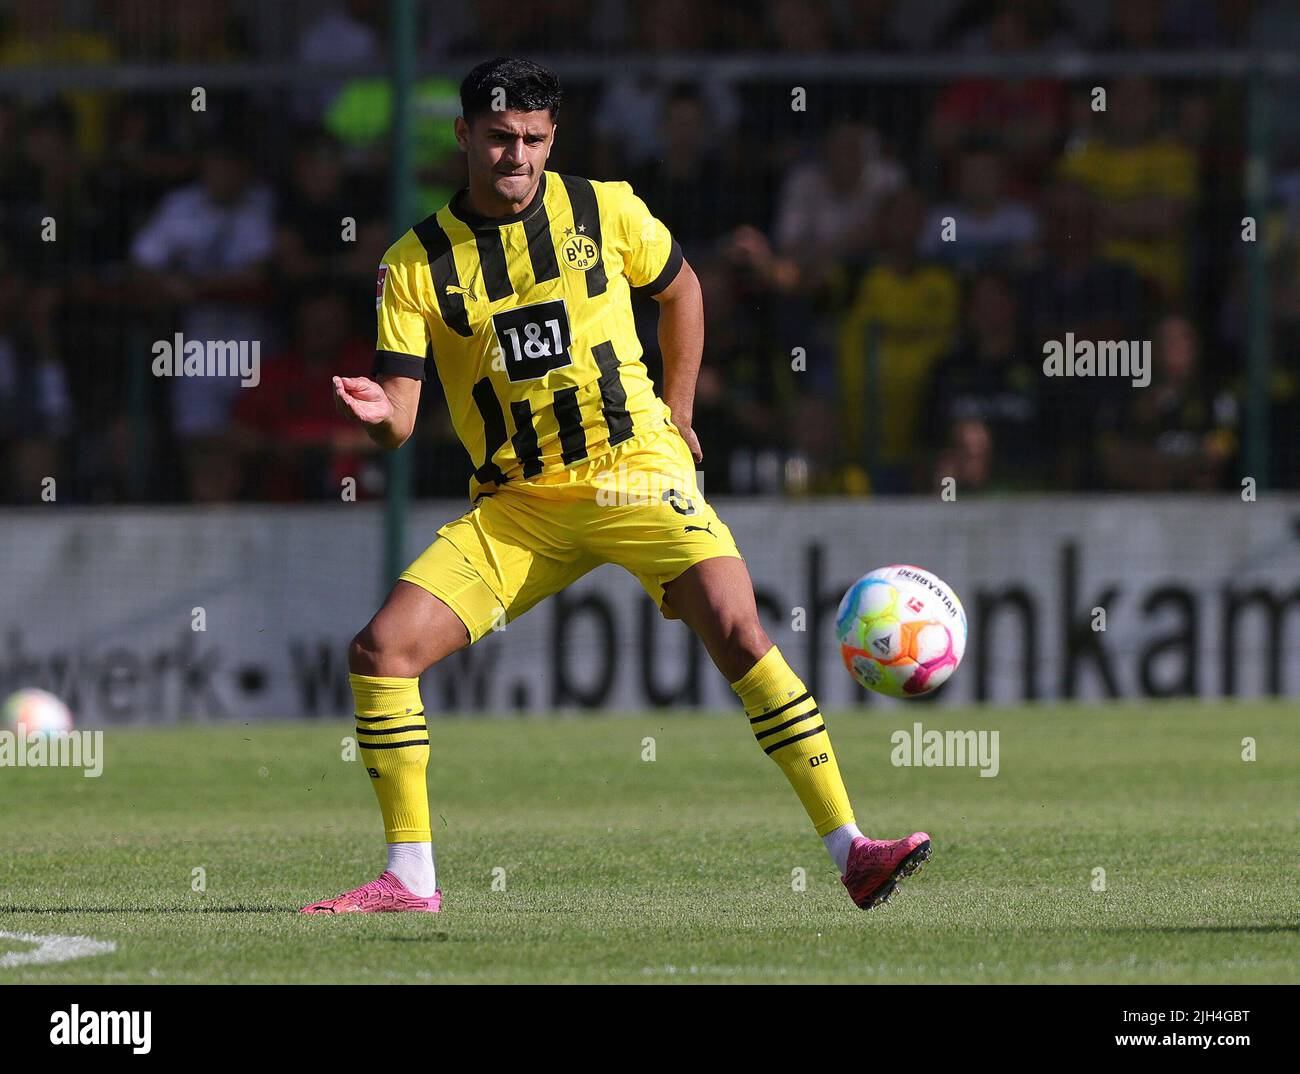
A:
[(902, 631)]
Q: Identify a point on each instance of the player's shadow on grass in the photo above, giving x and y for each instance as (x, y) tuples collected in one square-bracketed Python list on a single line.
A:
[(436, 937), (148, 910), (1203, 928), (426, 938)]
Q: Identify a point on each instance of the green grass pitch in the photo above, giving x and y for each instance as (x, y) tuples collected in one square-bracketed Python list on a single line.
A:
[(679, 869)]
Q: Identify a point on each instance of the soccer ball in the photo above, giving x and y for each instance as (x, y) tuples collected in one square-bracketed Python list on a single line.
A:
[(902, 631), (36, 712)]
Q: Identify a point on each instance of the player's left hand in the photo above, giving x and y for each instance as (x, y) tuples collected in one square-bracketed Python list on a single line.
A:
[(692, 442)]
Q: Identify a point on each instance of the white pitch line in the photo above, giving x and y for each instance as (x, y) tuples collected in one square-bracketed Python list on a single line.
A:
[(52, 949)]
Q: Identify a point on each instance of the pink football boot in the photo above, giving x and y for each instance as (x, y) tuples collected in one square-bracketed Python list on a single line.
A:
[(385, 895), (875, 866)]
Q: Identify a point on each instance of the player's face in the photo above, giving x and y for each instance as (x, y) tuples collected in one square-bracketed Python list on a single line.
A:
[(507, 152)]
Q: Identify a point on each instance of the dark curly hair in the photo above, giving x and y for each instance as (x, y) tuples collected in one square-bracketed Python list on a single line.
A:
[(528, 87)]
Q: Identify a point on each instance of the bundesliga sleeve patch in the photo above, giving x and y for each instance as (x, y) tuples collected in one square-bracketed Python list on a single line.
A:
[(379, 286)]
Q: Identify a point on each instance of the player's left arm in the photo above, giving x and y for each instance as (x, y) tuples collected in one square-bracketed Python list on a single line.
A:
[(654, 265), (681, 342)]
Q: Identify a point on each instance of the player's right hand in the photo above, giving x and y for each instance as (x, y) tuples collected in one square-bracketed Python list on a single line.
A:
[(361, 399)]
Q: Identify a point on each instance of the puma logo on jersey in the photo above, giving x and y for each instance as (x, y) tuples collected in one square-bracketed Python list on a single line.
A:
[(453, 289), (702, 529)]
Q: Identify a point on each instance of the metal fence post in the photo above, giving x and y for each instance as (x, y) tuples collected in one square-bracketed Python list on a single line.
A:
[(1259, 328), (398, 492)]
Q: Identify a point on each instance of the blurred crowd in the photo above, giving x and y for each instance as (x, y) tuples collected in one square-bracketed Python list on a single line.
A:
[(881, 267)]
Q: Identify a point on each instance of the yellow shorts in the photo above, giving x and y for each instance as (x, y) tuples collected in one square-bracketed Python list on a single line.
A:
[(637, 505)]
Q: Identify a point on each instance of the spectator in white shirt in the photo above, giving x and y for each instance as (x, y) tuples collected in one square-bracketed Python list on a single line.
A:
[(826, 205), (202, 254), (982, 227)]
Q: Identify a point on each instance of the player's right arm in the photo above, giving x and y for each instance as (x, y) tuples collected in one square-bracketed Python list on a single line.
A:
[(386, 403), (386, 406)]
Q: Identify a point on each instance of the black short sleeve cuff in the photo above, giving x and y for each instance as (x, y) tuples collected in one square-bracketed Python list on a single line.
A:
[(398, 364), (667, 274)]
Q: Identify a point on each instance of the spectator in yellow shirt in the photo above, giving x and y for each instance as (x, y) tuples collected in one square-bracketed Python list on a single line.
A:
[(899, 326), (35, 38), (1145, 182)]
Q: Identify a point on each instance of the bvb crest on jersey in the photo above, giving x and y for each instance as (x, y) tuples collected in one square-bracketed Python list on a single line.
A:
[(580, 252)]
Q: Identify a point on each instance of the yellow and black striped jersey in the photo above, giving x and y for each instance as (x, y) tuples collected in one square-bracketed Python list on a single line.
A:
[(529, 319)]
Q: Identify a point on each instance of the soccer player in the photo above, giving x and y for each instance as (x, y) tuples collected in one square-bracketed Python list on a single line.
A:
[(521, 288)]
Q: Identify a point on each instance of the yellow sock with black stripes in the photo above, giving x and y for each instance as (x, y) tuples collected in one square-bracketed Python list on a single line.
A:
[(394, 743), (788, 725)]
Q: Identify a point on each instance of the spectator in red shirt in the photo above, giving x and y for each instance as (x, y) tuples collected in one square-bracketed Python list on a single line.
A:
[(292, 443), (1024, 115)]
